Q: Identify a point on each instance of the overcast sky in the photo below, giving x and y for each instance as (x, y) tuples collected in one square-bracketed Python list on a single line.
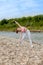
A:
[(19, 8)]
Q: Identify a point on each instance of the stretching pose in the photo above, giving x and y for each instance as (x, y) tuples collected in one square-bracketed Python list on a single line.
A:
[(24, 31)]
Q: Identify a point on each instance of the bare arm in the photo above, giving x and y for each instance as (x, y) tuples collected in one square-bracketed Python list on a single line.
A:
[(18, 24), (20, 36)]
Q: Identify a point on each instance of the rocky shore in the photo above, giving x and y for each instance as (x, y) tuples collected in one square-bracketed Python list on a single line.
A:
[(14, 53)]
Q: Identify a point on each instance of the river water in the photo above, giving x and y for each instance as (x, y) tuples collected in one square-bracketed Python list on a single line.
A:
[(35, 36)]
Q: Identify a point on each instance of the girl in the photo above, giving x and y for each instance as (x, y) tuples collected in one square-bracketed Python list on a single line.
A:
[(24, 31)]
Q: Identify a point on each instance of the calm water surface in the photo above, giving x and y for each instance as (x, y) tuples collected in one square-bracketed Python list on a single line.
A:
[(36, 36)]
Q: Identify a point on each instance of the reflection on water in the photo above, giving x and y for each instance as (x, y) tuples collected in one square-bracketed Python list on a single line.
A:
[(36, 36)]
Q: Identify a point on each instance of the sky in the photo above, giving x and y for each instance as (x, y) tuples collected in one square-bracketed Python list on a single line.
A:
[(20, 8)]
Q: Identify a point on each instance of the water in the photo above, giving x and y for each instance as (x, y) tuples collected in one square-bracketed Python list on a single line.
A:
[(36, 36)]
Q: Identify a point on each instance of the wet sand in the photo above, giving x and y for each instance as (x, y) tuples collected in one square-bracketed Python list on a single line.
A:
[(14, 53)]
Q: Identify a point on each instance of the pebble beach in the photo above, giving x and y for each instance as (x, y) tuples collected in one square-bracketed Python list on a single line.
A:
[(14, 53)]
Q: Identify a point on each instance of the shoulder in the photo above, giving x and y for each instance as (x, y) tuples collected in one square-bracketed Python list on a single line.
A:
[(24, 28)]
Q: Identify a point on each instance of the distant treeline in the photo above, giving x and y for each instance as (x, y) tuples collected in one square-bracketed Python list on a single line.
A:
[(31, 22)]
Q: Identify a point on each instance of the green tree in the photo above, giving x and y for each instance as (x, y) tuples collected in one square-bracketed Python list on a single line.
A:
[(4, 21)]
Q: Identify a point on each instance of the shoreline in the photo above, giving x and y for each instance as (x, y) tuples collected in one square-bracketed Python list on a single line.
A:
[(30, 31), (36, 30)]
